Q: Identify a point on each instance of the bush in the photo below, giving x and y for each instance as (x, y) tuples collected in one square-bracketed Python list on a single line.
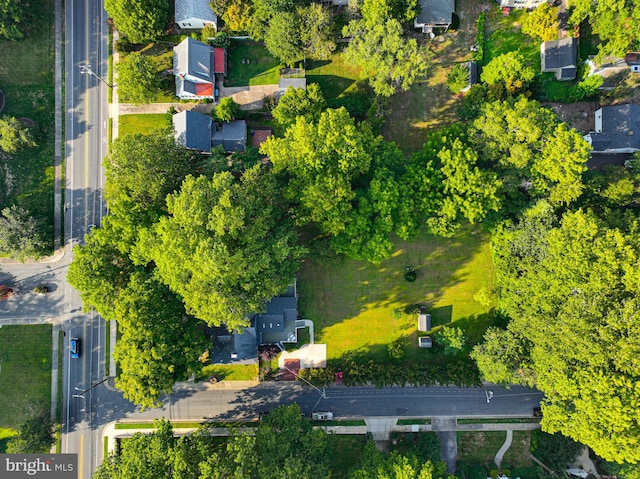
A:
[(479, 54), (395, 350), (458, 78), (221, 40)]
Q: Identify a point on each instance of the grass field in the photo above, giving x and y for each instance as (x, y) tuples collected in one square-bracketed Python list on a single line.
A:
[(26, 77), (241, 372), (25, 374), (143, 123), (481, 448), (334, 76), (352, 303), (262, 68)]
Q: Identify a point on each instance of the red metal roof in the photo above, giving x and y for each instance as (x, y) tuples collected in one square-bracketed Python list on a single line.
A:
[(219, 60), (204, 89)]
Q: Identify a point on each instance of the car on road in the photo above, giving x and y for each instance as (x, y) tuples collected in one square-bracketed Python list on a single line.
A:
[(322, 416), (74, 348)]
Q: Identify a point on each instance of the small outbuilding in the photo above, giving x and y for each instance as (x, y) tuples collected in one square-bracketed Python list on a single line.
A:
[(424, 320), (425, 342)]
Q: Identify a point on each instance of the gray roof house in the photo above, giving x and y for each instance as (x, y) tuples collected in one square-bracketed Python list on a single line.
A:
[(434, 14), (560, 57), (198, 131), (617, 129), (193, 67), (194, 14)]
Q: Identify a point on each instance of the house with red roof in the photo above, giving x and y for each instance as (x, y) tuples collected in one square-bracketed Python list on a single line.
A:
[(197, 67)]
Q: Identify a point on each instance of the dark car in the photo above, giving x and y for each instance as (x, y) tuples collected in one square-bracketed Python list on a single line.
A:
[(74, 348)]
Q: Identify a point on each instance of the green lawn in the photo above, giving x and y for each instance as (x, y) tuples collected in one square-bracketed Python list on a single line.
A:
[(25, 374), (26, 77), (504, 36), (352, 303), (334, 76), (143, 123), (240, 372), (481, 447), (262, 68)]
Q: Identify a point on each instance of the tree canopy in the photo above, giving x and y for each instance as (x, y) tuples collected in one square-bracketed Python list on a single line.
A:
[(316, 31), (139, 20), (282, 38), (226, 109), (227, 247), (392, 62), (510, 69), (14, 135), (13, 15), (138, 80), (20, 234), (542, 23), (36, 436), (299, 102), (571, 291)]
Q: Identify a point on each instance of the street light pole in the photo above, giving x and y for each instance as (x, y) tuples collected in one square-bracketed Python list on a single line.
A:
[(323, 393), (489, 396), (87, 69)]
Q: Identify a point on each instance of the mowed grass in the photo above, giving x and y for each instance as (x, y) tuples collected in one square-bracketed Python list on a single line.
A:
[(481, 447), (261, 69), (143, 123), (335, 76), (352, 303), (228, 372), (25, 374), (26, 77)]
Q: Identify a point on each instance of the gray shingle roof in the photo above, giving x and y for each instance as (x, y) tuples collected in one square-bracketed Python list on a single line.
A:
[(192, 130), (190, 9), (231, 136), (434, 12), (193, 58), (556, 54), (620, 128)]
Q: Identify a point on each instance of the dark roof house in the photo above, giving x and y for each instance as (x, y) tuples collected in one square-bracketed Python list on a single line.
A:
[(617, 129), (194, 14), (197, 131), (434, 14), (560, 57)]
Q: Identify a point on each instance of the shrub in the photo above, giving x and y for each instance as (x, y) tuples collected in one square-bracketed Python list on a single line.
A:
[(479, 54), (395, 350), (458, 78), (221, 40)]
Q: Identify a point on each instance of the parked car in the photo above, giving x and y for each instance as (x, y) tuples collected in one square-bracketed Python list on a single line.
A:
[(74, 348), (322, 416)]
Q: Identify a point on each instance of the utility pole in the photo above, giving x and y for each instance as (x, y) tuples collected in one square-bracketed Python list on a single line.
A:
[(87, 69)]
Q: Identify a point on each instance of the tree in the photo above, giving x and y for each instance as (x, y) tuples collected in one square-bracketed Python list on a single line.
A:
[(282, 38), (554, 450), (14, 135), (616, 22), (35, 436), (237, 16), (320, 160), (392, 62), (458, 78), (316, 31), (13, 15), (378, 11), (20, 234), (227, 247), (226, 110), (510, 69), (158, 345), (138, 80), (453, 339), (298, 102), (542, 23), (569, 292), (532, 152), (139, 20), (376, 464)]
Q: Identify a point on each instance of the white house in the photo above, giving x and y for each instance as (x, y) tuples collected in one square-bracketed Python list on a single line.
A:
[(194, 14), (196, 67), (521, 3)]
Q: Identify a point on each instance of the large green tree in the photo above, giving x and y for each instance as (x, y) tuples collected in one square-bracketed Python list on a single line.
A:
[(616, 22), (139, 20), (227, 247), (36, 436), (571, 291), (392, 62), (542, 23), (282, 38), (138, 80), (509, 69), (533, 153), (378, 465), (20, 234), (296, 102), (158, 345), (13, 15), (14, 135), (316, 31)]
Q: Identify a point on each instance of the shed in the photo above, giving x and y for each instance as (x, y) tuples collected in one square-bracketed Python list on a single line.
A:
[(425, 342), (424, 320)]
